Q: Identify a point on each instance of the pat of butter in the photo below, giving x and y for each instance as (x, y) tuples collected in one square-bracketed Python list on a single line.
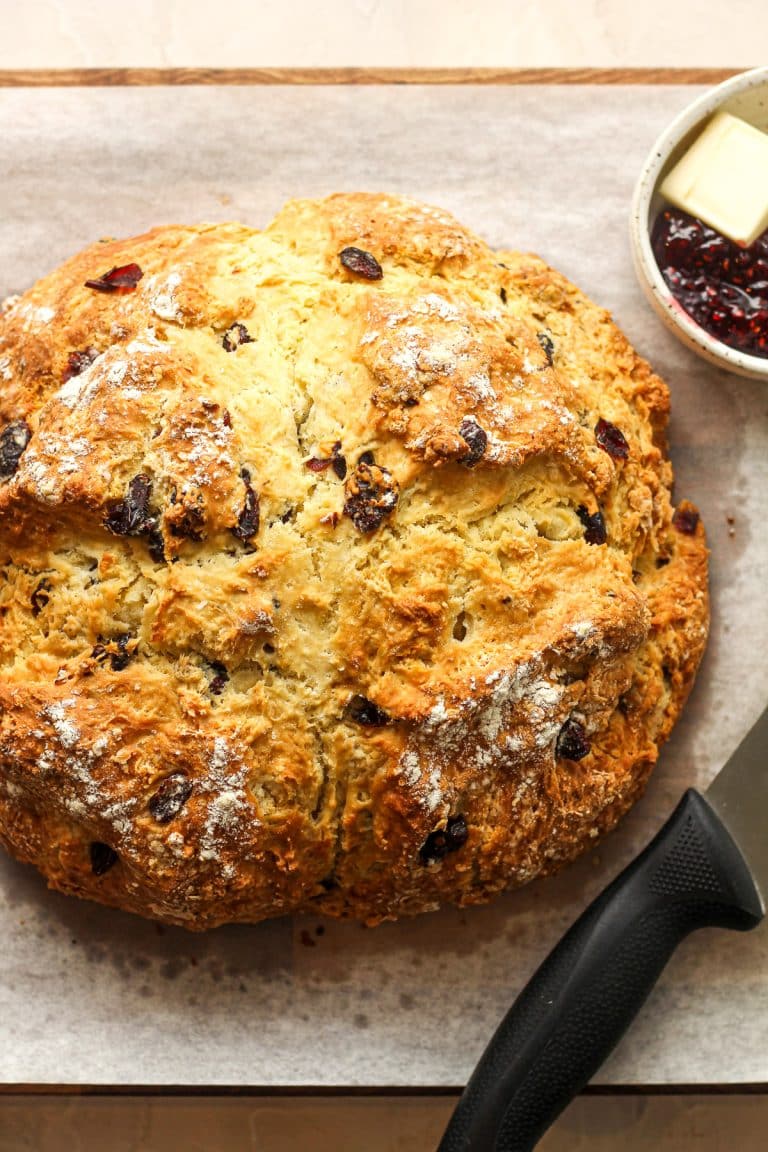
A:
[(723, 179)]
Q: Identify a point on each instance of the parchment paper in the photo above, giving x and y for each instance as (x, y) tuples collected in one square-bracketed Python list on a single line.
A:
[(91, 996)]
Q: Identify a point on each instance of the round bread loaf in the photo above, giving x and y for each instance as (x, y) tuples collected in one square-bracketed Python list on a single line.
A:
[(339, 569)]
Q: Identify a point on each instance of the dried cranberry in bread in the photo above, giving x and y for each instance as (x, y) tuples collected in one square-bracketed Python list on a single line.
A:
[(338, 569)]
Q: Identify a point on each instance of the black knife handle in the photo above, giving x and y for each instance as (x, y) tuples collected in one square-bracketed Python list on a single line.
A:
[(584, 996)]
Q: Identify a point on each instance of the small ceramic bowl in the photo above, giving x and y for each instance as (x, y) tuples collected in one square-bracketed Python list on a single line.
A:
[(745, 95)]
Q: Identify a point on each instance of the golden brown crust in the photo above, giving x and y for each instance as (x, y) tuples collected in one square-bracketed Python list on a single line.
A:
[(320, 591)]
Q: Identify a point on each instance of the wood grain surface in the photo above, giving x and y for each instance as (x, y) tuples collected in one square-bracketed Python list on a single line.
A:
[(105, 77)]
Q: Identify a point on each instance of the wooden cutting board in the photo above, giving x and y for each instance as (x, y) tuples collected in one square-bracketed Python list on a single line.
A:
[(93, 997)]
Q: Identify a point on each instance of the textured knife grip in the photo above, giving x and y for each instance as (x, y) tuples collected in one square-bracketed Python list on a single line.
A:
[(586, 993)]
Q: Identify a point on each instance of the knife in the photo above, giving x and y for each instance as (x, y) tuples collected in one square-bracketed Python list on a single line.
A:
[(708, 866)]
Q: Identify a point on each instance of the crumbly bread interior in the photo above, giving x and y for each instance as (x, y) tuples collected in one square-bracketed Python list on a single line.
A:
[(338, 569)]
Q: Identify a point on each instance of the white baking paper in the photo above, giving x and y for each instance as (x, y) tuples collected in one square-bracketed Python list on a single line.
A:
[(91, 996)]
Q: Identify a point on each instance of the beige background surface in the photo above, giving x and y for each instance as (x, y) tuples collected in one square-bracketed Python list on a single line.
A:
[(396, 33), (73, 33)]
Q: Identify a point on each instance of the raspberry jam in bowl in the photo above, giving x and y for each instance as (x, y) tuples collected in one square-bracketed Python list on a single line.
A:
[(722, 286), (711, 292)]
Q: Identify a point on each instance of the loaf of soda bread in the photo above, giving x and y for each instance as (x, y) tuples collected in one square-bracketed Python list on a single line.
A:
[(338, 569)]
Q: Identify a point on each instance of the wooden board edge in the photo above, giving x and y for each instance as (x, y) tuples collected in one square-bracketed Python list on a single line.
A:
[(351, 1091), (144, 77)]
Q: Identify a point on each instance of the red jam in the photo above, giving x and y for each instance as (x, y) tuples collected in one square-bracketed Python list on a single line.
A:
[(722, 286)]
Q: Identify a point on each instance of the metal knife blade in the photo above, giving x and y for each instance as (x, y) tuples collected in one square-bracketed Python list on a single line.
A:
[(739, 795)]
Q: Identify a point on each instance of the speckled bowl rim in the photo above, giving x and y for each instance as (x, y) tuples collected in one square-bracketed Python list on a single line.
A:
[(645, 264)]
